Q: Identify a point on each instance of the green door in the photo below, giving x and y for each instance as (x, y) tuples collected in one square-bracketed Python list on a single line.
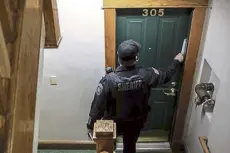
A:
[(161, 36)]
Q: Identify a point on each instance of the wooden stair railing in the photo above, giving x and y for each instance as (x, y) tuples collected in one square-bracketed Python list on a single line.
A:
[(204, 144), (104, 135)]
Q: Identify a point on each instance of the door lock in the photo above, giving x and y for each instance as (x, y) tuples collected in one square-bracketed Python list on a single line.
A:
[(172, 93), (174, 84)]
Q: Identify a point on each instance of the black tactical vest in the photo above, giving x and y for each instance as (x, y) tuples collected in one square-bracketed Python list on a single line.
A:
[(129, 95)]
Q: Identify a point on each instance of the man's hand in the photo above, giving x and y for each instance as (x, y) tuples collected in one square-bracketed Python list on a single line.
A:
[(179, 57)]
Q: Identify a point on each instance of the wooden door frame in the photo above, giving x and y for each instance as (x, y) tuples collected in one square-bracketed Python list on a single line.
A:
[(198, 16)]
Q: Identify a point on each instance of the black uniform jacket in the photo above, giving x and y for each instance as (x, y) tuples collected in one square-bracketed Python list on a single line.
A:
[(124, 94)]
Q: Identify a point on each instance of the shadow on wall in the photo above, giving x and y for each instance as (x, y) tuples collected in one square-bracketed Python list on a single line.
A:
[(78, 65)]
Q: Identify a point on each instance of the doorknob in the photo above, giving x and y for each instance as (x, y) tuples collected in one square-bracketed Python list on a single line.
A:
[(172, 93)]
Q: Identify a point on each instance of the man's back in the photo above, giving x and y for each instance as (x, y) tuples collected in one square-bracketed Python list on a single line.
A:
[(129, 87)]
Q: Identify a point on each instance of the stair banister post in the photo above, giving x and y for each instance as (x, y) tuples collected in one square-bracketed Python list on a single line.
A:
[(104, 134)]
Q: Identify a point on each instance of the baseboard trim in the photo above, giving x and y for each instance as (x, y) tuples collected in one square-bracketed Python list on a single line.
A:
[(66, 145)]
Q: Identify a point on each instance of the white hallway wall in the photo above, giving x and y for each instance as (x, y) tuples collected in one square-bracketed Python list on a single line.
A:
[(215, 49), (78, 65)]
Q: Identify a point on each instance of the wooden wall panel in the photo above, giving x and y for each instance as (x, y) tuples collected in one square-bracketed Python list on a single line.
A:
[(5, 68), (189, 69), (2, 126), (4, 84), (154, 3), (53, 34), (7, 36), (110, 37), (6, 16), (23, 84)]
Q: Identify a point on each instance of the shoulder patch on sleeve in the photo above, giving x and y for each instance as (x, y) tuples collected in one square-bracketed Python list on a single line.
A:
[(155, 70), (99, 89)]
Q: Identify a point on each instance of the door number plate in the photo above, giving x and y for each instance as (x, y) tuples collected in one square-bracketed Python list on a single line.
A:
[(153, 12)]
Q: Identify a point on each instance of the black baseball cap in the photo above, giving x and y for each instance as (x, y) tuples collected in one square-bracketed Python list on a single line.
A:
[(128, 50)]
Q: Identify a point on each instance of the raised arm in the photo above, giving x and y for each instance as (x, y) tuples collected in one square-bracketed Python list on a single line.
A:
[(159, 77)]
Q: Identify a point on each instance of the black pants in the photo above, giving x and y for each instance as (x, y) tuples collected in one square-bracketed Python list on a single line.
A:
[(130, 132)]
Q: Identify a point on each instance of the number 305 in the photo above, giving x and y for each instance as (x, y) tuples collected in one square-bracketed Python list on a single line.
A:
[(153, 12)]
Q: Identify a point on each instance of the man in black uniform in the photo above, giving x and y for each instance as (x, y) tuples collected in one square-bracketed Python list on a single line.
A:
[(123, 95)]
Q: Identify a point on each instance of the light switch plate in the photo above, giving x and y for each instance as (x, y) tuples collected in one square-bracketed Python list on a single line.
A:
[(53, 80)]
